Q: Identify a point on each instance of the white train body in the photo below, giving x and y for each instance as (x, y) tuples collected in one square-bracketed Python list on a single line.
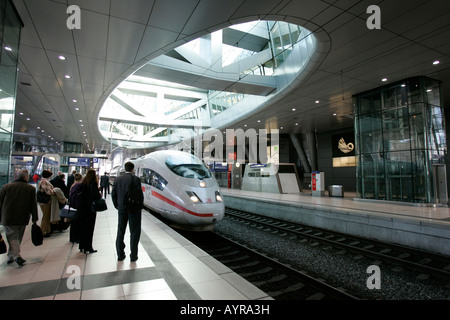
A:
[(181, 189)]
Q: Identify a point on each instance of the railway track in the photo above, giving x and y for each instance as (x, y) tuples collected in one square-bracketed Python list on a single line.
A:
[(278, 280), (425, 264)]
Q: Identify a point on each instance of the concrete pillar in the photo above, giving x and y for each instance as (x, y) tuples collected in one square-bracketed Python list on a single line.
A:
[(300, 151)]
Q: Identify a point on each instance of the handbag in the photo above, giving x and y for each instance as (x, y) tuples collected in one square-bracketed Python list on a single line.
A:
[(68, 212), (99, 205), (2, 245), (42, 197), (36, 235)]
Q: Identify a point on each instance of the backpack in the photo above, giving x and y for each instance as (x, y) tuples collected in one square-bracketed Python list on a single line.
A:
[(133, 197), (77, 196)]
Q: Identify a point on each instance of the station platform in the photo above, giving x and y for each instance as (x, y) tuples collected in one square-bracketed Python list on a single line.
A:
[(169, 267), (424, 227)]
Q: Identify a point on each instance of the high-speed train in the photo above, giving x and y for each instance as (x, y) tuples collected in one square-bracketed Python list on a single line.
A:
[(179, 187)]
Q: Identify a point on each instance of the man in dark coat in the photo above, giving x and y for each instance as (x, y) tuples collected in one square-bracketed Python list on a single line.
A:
[(104, 183), (71, 179), (58, 182), (17, 204), (132, 216)]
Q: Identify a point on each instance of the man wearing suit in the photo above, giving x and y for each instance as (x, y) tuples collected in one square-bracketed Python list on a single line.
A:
[(104, 183), (132, 216)]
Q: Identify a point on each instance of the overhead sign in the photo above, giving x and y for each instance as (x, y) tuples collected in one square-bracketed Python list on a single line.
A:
[(80, 162)]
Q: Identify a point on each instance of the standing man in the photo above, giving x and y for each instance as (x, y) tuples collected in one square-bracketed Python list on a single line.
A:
[(127, 214), (17, 203), (71, 179), (104, 183)]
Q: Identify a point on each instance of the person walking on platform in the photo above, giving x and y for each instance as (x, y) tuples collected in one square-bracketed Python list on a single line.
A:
[(46, 186), (127, 215), (17, 204), (86, 215), (104, 183)]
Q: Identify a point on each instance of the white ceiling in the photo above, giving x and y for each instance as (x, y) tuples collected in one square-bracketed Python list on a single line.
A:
[(117, 37)]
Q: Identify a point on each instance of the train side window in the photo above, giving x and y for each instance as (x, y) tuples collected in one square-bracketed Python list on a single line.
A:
[(146, 176), (154, 179), (158, 181)]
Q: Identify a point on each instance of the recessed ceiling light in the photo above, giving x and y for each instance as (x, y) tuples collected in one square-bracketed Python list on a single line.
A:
[(436, 62), (8, 48), (62, 58), (334, 114), (293, 109), (259, 120), (21, 113), (80, 120), (75, 100), (67, 76), (28, 119), (384, 79), (77, 109), (317, 101), (82, 125)]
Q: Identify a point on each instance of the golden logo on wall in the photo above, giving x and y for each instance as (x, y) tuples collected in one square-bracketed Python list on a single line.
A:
[(345, 148)]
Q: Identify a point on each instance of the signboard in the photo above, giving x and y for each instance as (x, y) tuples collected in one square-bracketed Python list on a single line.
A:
[(220, 167), (80, 162)]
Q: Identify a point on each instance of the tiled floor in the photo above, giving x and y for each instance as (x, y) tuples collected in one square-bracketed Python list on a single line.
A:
[(169, 268)]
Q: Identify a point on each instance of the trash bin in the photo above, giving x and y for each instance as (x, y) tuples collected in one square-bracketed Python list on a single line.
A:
[(336, 191)]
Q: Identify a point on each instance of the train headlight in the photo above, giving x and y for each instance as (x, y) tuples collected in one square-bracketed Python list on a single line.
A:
[(194, 198), (202, 184), (218, 197)]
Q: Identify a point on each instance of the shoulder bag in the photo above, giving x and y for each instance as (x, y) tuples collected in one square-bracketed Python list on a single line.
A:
[(42, 197), (36, 235), (2, 245), (68, 212), (99, 205)]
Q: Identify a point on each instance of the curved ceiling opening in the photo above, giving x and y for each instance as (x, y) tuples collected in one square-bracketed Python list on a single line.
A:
[(209, 82)]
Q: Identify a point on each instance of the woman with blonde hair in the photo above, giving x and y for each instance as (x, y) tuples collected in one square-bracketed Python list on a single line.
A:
[(47, 187)]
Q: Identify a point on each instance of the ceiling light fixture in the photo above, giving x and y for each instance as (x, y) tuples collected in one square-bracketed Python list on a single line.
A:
[(67, 76), (317, 101), (436, 62), (384, 79), (62, 58)]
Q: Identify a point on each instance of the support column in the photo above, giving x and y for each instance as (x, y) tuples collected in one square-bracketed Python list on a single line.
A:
[(300, 151), (311, 136)]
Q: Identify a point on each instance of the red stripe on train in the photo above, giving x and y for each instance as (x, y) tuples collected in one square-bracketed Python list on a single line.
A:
[(176, 205)]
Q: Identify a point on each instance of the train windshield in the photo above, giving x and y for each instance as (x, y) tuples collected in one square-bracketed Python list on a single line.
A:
[(188, 166)]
